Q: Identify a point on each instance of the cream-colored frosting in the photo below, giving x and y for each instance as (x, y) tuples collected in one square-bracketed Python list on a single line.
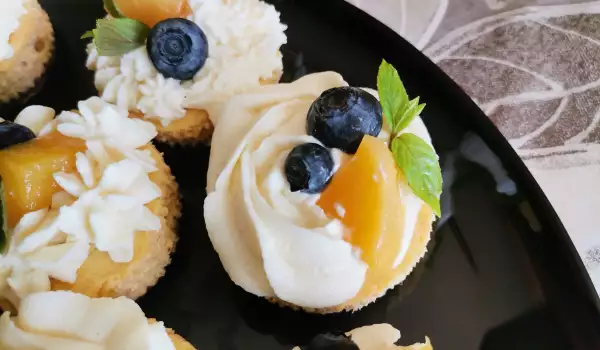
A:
[(244, 37), (274, 242), (381, 337), (37, 251), (102, 204), (69, 321), (109, 134), (11, 12)]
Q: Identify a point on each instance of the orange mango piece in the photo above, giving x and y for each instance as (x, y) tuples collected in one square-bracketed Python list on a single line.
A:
[(151, 12), (27, 172), (364, 196)]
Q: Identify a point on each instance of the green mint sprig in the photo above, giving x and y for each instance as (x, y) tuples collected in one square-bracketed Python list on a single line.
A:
[(415, 158), (117, 36)]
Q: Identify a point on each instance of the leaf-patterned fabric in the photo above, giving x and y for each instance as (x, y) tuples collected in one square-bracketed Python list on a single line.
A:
[(533, 67)]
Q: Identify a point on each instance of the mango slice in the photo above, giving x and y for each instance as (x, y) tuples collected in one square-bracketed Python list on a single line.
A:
[(27, 172)]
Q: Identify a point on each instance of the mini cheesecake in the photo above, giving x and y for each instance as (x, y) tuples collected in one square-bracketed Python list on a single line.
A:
[(26, 46), (314, 200), (89, 204), (66, 320), (188, 58)]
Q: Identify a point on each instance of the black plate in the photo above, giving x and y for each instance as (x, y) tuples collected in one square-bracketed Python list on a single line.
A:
[(502, 272)]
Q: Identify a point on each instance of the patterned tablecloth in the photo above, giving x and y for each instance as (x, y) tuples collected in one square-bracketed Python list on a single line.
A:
[(534, 67)]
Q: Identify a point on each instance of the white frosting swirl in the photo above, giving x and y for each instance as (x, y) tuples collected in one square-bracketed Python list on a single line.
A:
[(103, 204), (274, 242), (69, 321), (244, 37), (11, 12)]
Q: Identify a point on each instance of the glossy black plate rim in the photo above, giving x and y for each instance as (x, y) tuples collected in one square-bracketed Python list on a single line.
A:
[(394, 48)]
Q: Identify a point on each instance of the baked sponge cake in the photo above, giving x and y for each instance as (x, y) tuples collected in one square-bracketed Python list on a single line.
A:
[(69, 321), (375, 337), (26, 46), (184, 59), (314, 200), (89, 204)]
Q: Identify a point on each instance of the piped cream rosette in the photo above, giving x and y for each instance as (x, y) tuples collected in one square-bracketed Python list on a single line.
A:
[(244, 38), (280, 244), (68, 321), (109, 230)]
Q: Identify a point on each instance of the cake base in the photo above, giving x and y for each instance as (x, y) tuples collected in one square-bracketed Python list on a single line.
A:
[(196, 127), (178, 341), (33, 43)]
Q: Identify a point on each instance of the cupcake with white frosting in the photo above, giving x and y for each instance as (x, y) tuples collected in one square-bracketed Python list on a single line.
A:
[(317, 201), (26, 46), (175, 62), (375, 337), (66, 320), (89, 205)]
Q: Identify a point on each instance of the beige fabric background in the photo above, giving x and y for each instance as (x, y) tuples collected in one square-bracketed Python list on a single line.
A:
[(534, 68)]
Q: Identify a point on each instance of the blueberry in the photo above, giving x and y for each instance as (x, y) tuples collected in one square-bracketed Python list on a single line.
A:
[(330, 341), (13, 134), (309, 168), (178, 48), (342, 116)]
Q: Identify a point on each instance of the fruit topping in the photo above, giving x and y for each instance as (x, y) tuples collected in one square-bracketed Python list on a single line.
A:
[(308, 168), (13, 134), (364, 196), (178, 48), (151, 12), (340, 117), (27, 172), (331, 341)]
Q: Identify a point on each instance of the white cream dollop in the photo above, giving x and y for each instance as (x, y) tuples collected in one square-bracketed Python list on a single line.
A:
[(11, 12), (271, 241), (69, 321), (37, 251), (109, 134), (382, 337), (244, 37), (110, 206), (102, 204)]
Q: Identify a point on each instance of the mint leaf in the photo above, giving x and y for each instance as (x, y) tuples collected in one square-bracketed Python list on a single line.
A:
[(112, 9), (392, 94), (419, 163), (413, 109), (87, 35), (3, 221), (117, 36), (398, 110)]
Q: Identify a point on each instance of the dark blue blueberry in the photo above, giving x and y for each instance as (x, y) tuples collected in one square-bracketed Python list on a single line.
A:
[(341, 117), (13, 134), (178, 48), (330, 341), (309, 168)]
